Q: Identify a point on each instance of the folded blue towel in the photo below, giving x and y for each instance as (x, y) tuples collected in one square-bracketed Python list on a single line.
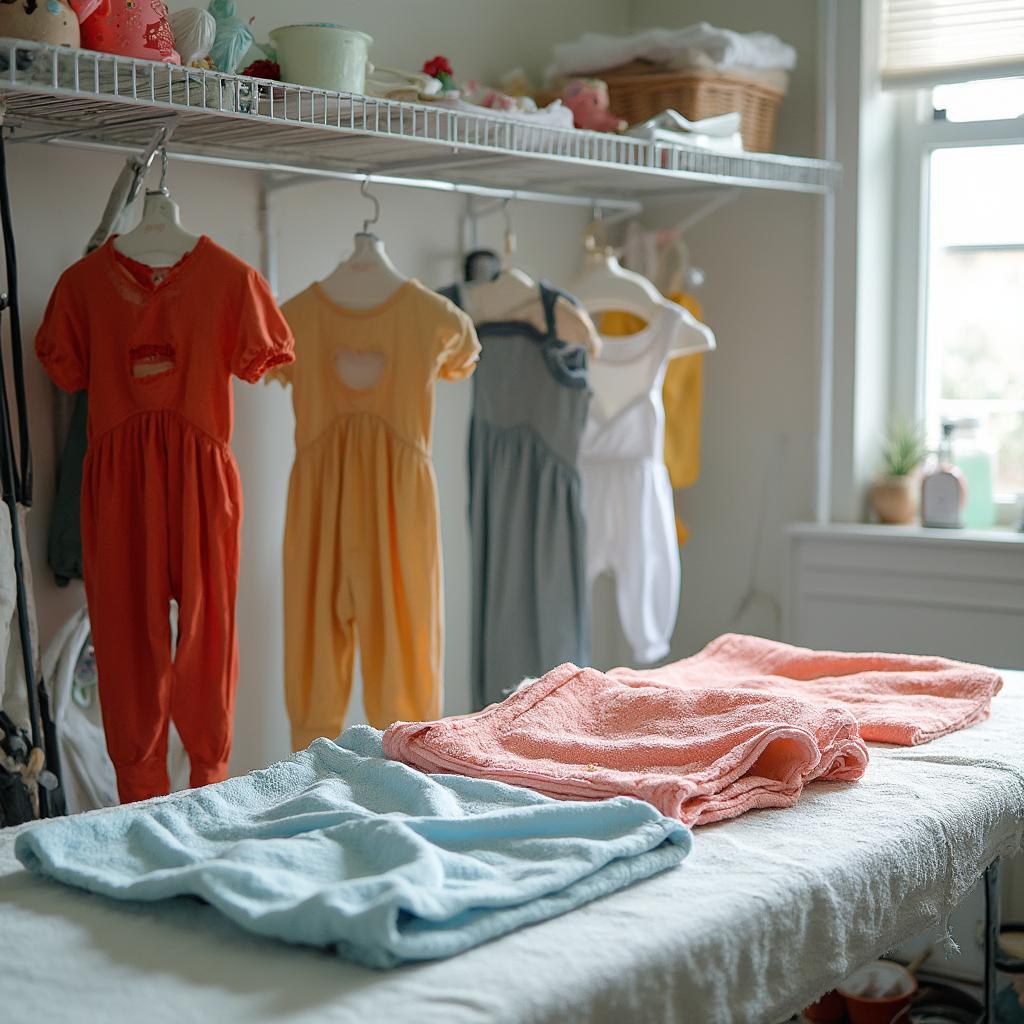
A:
[(338, 846)]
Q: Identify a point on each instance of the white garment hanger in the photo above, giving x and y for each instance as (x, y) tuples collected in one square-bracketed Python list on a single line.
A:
[(158, 240), (368, 277), (605, 286)]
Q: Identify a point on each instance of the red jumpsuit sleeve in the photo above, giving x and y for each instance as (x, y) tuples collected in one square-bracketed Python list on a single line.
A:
[(264, 338), (61, 340)]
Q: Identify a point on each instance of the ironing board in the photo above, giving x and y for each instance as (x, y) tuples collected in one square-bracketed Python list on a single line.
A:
[(770, 910)]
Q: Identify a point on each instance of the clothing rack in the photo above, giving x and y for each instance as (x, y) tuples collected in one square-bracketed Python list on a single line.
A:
[(74, 97)]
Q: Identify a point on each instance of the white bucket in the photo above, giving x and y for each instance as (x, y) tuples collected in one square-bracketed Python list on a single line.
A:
[(322, 55)]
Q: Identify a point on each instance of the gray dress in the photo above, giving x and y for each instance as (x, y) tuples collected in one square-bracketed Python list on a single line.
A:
[(530, 595)]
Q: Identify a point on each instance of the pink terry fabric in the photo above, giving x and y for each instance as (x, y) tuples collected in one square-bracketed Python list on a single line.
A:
[(699, 755), (903, 699)]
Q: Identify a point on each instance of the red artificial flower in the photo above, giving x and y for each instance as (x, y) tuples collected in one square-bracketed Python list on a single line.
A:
[(264, 69), (437, 67)]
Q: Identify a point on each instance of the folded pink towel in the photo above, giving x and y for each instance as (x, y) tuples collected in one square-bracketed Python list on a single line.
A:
[(699, 755), (904, 699)]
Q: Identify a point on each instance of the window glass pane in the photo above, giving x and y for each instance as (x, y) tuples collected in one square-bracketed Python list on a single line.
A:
[(996, 99), (975, 316)]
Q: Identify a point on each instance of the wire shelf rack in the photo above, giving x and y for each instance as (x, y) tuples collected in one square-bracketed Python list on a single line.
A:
[(101, 100)]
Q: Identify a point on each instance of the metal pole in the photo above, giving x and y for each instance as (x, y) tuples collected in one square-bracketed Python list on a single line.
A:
[(991, 939), (826, 368), (268, 243)]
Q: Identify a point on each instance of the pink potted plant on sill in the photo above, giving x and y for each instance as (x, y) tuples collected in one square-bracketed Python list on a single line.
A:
[(894, 494)]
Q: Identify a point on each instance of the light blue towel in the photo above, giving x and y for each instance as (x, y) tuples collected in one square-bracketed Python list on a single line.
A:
[(338, 846)]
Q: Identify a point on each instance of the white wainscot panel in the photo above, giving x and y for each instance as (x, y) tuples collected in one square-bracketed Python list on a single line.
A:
[(909, 590)]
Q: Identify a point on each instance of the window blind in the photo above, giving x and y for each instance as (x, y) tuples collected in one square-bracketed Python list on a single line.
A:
[(930, 42)]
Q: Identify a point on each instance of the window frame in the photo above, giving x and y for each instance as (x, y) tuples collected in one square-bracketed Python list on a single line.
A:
[(918, 136)]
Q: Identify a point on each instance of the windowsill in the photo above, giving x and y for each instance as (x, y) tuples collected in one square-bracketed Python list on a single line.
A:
[(909, 534)]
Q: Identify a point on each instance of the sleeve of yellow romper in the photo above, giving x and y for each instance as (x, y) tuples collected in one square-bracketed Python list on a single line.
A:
[(460, 348)]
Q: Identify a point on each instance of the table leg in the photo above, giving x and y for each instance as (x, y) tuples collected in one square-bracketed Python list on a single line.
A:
[(991, 939)]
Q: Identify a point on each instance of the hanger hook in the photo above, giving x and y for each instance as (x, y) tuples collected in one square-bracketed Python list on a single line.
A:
[(510, 233), (364, 191), (157, 147)]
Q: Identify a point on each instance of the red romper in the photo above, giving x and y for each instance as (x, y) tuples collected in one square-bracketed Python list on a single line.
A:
[(161, 496)]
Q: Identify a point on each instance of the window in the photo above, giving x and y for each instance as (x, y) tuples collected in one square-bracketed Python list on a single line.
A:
[(974, 352), (962, 268), (992, 100)]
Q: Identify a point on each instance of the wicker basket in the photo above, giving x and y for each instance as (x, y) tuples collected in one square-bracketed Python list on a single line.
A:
[(640, 91)]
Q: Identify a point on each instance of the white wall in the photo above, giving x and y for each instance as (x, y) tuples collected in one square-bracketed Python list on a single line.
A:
[(58, 195)]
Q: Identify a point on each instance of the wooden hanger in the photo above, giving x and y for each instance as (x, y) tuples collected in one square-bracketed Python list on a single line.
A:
[(368, 277), (515, 296), (510, 292), (158, 240)]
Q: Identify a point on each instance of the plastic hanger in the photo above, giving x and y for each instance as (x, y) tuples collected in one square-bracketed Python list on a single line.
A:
[(515, 296), (367, 277), (158, 240), (676, 272), (605, 286)]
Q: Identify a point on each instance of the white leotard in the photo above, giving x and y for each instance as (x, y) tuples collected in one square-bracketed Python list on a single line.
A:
[(630, 517)]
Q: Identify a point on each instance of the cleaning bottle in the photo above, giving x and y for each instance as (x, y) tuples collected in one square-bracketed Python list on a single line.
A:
[(972, 453), (943, 492)]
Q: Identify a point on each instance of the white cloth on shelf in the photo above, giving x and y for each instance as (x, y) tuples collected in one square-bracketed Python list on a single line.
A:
[(700, 45), (393, 83), (554, 115), (720, 134)]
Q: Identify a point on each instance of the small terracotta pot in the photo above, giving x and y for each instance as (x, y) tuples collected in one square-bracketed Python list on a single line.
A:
[(863, 1003), (829, 1009), (894, 499)]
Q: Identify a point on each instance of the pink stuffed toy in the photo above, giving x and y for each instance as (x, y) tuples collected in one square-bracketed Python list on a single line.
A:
[(587, 98)]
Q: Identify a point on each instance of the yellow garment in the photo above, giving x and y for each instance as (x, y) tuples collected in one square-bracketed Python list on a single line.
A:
[(362, 551), (683, 395)]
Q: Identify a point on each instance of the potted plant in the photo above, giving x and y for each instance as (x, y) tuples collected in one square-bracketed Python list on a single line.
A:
[(894, 492)]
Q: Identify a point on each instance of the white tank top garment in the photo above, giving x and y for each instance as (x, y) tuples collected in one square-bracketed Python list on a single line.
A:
[(631, 529)]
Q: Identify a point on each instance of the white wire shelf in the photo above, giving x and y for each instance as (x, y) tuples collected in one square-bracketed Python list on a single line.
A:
[(100, 100)]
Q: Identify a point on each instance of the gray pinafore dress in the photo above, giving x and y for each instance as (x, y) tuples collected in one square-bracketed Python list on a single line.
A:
[(530, 594)]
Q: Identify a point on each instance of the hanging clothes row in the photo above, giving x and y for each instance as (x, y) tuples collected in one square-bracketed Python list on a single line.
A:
[(558, 414), (566, 478)]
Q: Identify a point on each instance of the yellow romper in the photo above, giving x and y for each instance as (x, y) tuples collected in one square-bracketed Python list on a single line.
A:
[(362, 550)]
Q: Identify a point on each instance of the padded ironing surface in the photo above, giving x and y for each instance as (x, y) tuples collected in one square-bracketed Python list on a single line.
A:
[(769, 911)]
